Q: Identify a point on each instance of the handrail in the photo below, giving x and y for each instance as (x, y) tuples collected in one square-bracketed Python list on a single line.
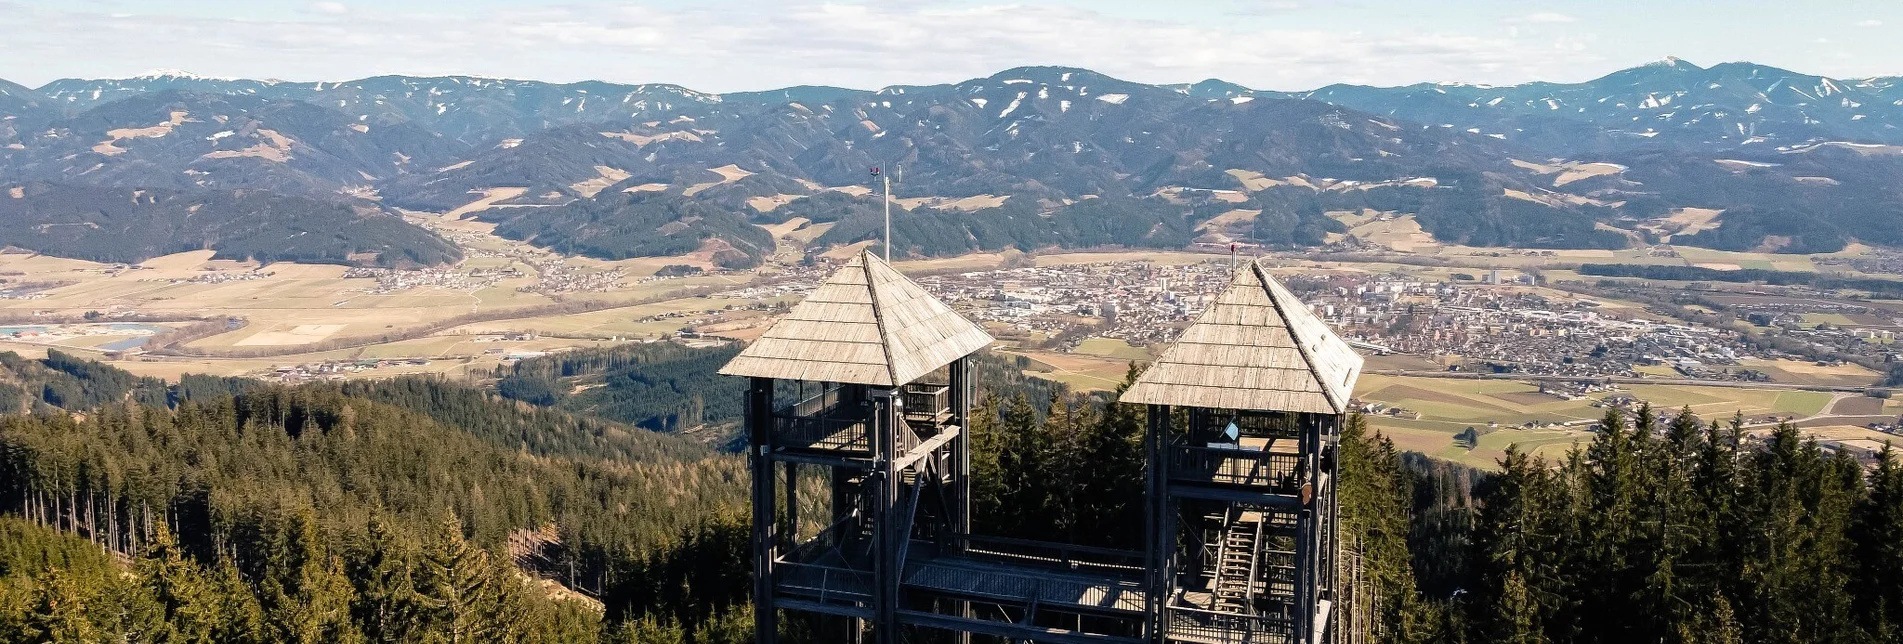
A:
[(1282, 472), (1033, 588), (834, 583), (1060, 555), (814, 404), (1229, 518), (1214, 626), (926, 399), (835, 432), (1255, 561), (827, 537)]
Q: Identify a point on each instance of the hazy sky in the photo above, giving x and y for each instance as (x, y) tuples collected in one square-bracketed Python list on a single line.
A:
[(727, 45)]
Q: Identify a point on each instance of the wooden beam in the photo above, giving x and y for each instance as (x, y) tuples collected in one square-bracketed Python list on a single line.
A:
[(841, 610), (1011, 631), (783, 456), (1233, 495), (926, 448)]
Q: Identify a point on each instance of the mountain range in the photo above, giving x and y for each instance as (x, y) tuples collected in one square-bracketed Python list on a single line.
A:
[(1735, 156)]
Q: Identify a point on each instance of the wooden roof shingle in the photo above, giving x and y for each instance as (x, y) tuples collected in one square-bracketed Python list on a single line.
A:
[(1257, 348), (866, 324)]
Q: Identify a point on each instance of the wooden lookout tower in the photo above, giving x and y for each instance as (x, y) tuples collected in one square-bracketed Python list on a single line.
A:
[(877, 378), (1245, 415)]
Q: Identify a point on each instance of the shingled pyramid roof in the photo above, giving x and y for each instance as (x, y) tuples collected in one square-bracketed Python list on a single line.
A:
[(1256, 348), (866, 324)]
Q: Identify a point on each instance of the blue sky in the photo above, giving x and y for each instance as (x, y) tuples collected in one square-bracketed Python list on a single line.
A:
[(728, 45)]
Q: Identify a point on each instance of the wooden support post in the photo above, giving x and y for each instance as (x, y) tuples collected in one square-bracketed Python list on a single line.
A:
[(961, 393), (886, 567), (791, 531), (959, 506), (1157, 504), (760, 433)]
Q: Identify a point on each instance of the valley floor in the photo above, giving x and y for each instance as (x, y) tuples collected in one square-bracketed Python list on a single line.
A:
[(189, 313)]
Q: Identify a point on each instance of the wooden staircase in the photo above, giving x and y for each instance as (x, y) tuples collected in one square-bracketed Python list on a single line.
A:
[(1236, 559)]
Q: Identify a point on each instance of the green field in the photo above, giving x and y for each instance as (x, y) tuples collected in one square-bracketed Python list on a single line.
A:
[(1449, 406), (1112, 348), (1080, 372), (1548, 444), (1833, 319), (1473, 401), (1718, 402)]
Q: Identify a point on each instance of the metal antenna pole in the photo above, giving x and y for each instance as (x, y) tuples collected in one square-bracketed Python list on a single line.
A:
[(887, 180)]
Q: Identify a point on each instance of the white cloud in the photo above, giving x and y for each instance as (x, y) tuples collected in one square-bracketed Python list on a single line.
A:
[(1268, 8), (1543, 18), (757, 44), (1870, 23), (332, 8)]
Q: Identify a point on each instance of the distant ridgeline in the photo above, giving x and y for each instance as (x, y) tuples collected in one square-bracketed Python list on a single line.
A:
[(1876, 286), (132, 225), (1735, 156)]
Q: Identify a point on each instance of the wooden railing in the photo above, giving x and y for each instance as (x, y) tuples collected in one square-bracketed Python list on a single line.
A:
[(816, 404), (829, 538), (1257, 424), (1211, 627), (926, 401), (826, 584), (1062, 556), (1276, 472), (838, 580), (842, 433)]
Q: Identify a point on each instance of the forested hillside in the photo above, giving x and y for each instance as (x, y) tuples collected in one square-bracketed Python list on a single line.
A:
[(368, 511), (1658, 531), (669, 387), (383, 511), (660, 386), (1689, 532), (618, 225), (133, 225)]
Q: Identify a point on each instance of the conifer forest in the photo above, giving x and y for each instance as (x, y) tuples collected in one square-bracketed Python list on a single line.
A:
[(421, 510)]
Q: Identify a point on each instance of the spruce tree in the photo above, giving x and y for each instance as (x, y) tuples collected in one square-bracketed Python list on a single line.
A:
[(1794, 572), (987, 480), (649, 629), (1021, 470), (1615, 483), (1720, 524), (242, 618), (1113, 462), (385, 603), (306, 594), (179, 602), (1513, 557), (1879, 550), (1669, 527), (61, 612), (454, 587)]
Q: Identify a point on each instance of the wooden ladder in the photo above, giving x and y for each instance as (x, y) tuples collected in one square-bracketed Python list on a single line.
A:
[(1235, 565)]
